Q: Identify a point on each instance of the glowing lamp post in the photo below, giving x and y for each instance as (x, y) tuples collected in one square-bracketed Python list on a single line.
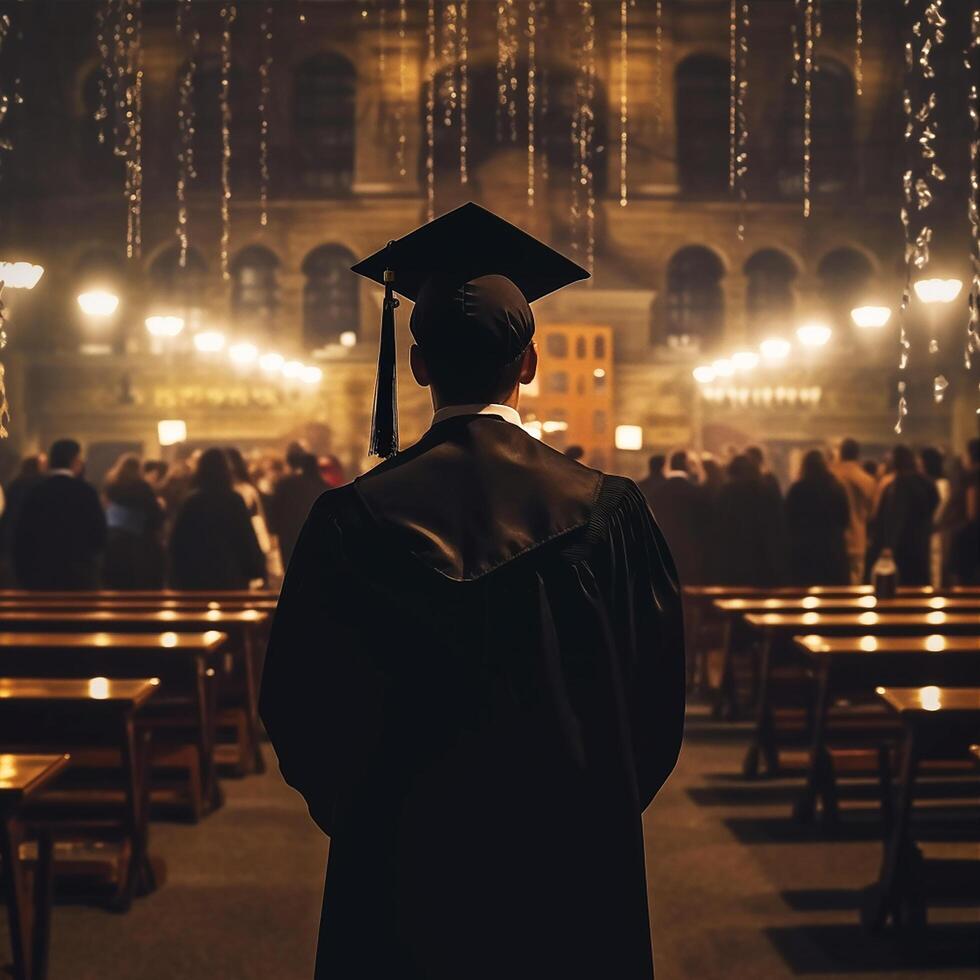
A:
[(209, 341), (20, 275), (164, 327), (813, 335), (171, 432), (271, 362), (348, 339), (870, 317), (99, 304), (629, 437), (243, 354), (937, 290), (775, 350)]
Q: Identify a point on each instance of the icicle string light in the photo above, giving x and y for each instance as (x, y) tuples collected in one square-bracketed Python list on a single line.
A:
[(532, 95), (507, 50), (583, 136), (128, 129), (859, 46), (188, 39), (102, 17), (658, 69), (382, 42), (449, 88), (542, 99), (430, 112), (623, 100), (265, 95), (464, 90), (228, 14), (732, 89), (741, 119), (402, 86), (972, 65), (795, 35), (809, 35)]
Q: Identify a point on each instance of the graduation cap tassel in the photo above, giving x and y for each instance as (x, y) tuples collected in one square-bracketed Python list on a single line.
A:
[(384, 423)]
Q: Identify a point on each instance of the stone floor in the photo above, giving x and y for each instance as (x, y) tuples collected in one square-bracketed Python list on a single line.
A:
[(737, 890)]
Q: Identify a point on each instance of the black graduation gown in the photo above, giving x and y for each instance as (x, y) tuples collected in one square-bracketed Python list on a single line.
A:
[(475, 678)]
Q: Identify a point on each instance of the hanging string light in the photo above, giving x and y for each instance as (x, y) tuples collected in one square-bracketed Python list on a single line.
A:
[(742, 144), (188, 39), (795, 35), (430, 112), (382, 41), (972, 65), (532, 95), (732, 89), (542, 79), (464, 90), (507, 50), (128, 42), (402, 86), (228, 14), (859, 46), (623, 98), (810, 33), (449, 89), (301, 11), (658, 71), (265, 95), (103, 18), (583, 134)]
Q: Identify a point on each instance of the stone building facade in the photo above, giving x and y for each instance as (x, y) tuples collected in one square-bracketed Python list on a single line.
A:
[(347, 158)]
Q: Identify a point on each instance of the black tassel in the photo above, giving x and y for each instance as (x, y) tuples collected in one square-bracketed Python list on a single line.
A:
[(384, 423)]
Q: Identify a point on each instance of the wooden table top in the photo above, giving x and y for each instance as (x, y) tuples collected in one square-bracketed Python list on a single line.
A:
[(916, 699), (748, 592), (815, 621), (134, 692), (188, 595), (21, 775), (163, 617), (848, 604), (41, 601), (207, 641), (858, 645)]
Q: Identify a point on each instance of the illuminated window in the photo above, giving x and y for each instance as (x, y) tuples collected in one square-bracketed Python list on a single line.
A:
[(769, 299), (599, 347), (324, 97), (255, 286), (557, 382), (557, 345), (330, 296), (694, 304)]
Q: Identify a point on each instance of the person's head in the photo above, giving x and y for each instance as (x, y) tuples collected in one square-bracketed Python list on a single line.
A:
[(870, 467), (239, 469), (712, 469), (154, 471), (740, 467), (212, 471), (678, 461), (932, 462), (813, 466), (32, 466), (575, 452), (294, 454), (849, 450), (973, 452), (125, 473), (309, 465), (473, 341), (66, 454), (656, 464), (903, 460), (756, 457)]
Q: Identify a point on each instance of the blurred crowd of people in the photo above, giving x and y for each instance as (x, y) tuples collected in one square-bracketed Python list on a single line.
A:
[(214, 520), (730, 523)]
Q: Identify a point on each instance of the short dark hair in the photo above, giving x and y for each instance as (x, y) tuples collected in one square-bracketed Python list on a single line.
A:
[(473, 381), (657, 462), (932, 462), (754, 454), (63, 453), (849, 450), (213, 471), (973, 450), (903, 461), (575, 452), (678, 460)]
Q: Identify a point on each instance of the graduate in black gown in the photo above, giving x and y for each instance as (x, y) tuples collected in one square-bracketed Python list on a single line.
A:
[(475, 675)]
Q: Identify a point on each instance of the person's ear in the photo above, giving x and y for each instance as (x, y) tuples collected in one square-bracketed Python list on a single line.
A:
[(420, 370), (529, 364)]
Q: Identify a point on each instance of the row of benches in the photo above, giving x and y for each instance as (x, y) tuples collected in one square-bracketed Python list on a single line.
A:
[(113, 706), (891, 683)]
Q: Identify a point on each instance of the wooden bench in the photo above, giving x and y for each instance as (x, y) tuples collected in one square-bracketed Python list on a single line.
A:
[(936, 721), (142, 595), (182, 715), (854, 667), (776, 632), (95, 720), (240, 670), (28, 904)]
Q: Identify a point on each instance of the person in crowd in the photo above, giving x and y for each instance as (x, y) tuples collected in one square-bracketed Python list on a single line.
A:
[(860, 489), (60, 532), (213, 544), (964, 520), (292, 499), (872, 469), (903, 521), (748, 529), (134, 554), (575, 452), (332, 471), (655, 476), (757, 457), (246, 489), (932, 464), (714, 476), (683, 511), (30, 472), (818, 517)]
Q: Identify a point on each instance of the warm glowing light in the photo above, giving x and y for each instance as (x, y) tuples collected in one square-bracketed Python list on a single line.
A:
[(775, 349), (293, 370), (937, 290), (935, 643), (599, 373), (936, 617), (813, 334), (745, 360), (870, 317), (20, 275), (209, 341), (171, 431), (629, 437), (810, 602), (704, 374), (348, 339), (929, 698), (937, 602), (311, 375), (723, 368), (868, 601), (533, 429), (271, 362), (98, 688), (554, 425), (868, 618), (243, 353), (168, 639), (98, 302), (869, 643), (212, 636), (811, 618), (164, 326)]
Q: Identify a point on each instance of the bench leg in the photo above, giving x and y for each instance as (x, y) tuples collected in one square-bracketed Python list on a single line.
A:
[(820, 773), (43, 891), (18, 897), (764, 735)]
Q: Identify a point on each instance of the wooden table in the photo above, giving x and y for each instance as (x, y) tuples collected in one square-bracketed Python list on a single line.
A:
[(855, 666), (239, 687), (778, 629), (40, 711), (142, 595), (185, 664), (935, 719), (41, 601), (29, 915)]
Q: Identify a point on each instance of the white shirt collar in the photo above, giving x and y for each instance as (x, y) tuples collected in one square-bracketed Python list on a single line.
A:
[(507, 413), (61, 472)]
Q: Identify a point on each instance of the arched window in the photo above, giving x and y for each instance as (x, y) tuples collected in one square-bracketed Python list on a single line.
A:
[(769, 299), (831, 133), (695, 306), (98, 161), (845, 276), (255, 286), (324, 93), (701, 84), (243, 101), (178, 289), (330, 296)]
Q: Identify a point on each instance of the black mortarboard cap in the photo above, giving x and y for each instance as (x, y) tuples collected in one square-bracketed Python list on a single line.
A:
[(467, 243)]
